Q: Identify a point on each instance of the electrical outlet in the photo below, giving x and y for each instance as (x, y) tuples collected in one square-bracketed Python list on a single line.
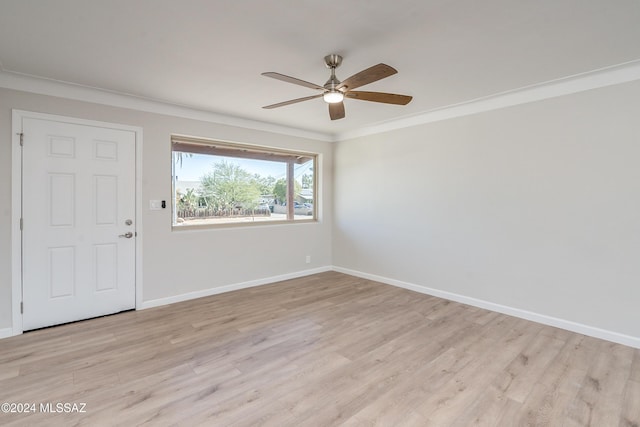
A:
[(308, 259)]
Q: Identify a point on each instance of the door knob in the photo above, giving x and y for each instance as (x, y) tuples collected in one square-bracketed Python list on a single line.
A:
[(128, 235)]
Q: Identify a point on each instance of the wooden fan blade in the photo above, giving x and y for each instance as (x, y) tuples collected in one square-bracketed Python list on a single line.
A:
[(370, 75), (293, 101), (293, 80), (336, 111), (387, 98)]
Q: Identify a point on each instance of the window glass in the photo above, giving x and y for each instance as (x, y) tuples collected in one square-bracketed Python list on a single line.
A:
[(221, 183)]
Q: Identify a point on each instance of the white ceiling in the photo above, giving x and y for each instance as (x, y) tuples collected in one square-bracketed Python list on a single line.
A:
[(208, 54)]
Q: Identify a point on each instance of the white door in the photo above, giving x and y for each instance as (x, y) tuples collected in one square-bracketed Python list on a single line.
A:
[(79, 222)]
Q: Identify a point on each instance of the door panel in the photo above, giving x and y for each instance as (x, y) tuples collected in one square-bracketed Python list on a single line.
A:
[(78, 193), (62, 272)]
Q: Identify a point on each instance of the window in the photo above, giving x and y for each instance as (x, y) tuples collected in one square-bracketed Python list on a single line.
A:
[(217, 183)]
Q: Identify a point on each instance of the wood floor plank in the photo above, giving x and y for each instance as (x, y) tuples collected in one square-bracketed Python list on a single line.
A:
[(323, 350), (487, 410), (472, 380), (630, 415), (635, 367), (527, 367), (607, 376), (397, 405)]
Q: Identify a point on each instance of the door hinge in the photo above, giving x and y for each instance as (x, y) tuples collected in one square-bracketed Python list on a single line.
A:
[(21, 307), (21, 224), (21, 139)]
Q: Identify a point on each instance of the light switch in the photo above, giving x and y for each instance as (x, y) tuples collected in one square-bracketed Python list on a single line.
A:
[(155, 205)]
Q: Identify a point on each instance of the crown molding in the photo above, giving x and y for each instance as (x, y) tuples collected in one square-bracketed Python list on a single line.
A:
[(616, 74), (608, 76), (42, 86)]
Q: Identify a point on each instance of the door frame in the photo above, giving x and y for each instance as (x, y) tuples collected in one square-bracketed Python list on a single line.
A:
[(17, 117)]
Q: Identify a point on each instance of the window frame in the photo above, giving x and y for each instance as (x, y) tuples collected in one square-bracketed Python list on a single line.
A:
[(231, 150)]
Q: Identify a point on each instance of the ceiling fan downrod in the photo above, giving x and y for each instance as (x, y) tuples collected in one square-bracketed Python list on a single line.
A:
[(332, 62), (333, 95)]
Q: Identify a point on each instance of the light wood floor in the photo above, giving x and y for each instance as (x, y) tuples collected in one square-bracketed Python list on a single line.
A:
[(323, 350)]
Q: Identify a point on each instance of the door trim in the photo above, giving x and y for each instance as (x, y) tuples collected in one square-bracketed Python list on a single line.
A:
[(17, 118)]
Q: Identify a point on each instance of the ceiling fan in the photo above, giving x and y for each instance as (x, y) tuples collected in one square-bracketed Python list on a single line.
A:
[(334, 91)]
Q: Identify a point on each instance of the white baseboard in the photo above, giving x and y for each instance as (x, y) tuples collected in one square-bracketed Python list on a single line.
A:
[(516, 312), (511, 311), (228, 288), (6, 333)]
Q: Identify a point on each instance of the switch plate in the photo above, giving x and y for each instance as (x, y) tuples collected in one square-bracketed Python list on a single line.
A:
[(155, 205)]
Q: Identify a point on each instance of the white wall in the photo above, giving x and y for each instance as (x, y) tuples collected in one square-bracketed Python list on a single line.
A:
[(535, 207), (178, 262)]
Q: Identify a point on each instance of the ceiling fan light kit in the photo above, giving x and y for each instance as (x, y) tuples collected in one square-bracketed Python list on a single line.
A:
[(332, 97), (334, 91)]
